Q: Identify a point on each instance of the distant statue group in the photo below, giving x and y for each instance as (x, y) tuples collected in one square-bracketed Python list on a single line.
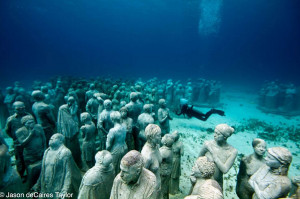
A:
[(111, 140)]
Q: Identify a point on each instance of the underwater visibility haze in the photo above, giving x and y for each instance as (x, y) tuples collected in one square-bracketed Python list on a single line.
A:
[(235, 41)]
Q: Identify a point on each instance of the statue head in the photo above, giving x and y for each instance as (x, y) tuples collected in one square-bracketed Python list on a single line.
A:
[(203, 168), (71, 101), (38, 95), (92, 86), (107, 104), (133, 96), (115, 116), (103, 158), (222, 132), (175, 134), (56, 140), (19, 107), (259, 146), (28, 121), (153, 134), (167, 140), (279, 158), (85, 117), (147, 108), (162, 103), (131, 167), (124, 112)]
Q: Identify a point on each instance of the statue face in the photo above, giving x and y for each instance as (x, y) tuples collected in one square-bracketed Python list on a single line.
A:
[(196, 171), (218, 136), (20, 109), (129, 174), (157, 138), (54, 141), (123, 114), (272, 162), (260, 149), (30, 124)]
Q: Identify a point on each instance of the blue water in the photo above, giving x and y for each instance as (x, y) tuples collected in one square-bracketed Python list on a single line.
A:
[(254, 40)]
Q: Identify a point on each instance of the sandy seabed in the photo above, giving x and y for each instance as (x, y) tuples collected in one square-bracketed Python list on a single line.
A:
[(249, 122)]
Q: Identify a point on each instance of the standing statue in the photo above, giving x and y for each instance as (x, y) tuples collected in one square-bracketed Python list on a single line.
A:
[(88, 130), (67, 125), (59, 171), (10, 181), (177, 148), (248, 166), (151, 154), (203, 185), (220, 152), (43, 114), (104, 123), (115, 142), (134, 181), (127, 122), (271, 181), (166, 164), (144, 120), (13, 123), (32, 138), (98, 181), (9, 100), (164, 117), (134, 110), (92, 107)]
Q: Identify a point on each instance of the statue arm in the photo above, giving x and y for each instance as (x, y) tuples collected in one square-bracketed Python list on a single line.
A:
[(68, 168), (224, 167), (203, 150), (8, 129), (109, 140)]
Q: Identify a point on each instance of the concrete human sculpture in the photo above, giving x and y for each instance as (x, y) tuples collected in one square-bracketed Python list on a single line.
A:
[(104, 123), (202, 172), (98, 181), (151, 154), (134, 181), (13, 123), (166, 164), (248, 166), (164, 117), (178, 151), (92, 106), (220, 152), (271, 181), (10, 181), (43, 114), (144, 120), (115, 142), (31, 137), (127, 122), (67, 124), (88, 130), (59, 176)]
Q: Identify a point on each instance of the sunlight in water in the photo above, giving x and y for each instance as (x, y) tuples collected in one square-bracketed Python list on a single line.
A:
[(210, 16)]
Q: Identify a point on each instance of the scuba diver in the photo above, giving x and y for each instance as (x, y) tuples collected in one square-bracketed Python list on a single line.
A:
[(189, 110)]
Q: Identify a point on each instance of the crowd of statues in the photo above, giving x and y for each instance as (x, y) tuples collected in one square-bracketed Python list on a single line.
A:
[(111, 139), (279, 98)]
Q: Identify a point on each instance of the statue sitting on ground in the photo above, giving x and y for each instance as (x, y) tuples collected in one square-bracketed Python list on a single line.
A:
[(134, 181), (97, 181)]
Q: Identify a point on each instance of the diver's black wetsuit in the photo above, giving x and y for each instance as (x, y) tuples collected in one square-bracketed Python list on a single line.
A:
[(190, 112)]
